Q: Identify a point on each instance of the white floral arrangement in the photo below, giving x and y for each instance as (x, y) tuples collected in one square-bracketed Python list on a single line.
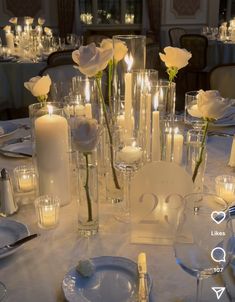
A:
[(210, 107)]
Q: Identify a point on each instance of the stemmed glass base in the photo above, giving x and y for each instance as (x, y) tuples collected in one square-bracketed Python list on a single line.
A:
[(3, 291), (123, 207)]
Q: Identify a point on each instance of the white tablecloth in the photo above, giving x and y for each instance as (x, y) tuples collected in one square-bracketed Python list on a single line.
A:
[(12, 78), (35, 272), (220, 53)]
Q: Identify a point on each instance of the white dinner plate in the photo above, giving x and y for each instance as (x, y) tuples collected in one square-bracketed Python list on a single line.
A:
[(24, 147), (10, 231), (7, 128), (115, 279)]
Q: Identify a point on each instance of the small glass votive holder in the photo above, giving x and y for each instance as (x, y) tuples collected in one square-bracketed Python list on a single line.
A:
[(225, 187), (47, 211), (25, 178)]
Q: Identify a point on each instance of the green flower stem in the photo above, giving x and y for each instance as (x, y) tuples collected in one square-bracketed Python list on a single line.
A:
[(86, 187), (198, 163), (97, 78), (42, 98), (172, 72), (110, 86)]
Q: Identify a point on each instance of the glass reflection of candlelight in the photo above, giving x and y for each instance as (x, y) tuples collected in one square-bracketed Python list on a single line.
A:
[(50, 109), (129, 61), (87, 91)]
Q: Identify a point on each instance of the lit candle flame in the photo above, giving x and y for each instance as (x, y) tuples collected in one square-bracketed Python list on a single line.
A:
[(129, 61), (176, 130), (50, 109), (155, 102), (87, 91)]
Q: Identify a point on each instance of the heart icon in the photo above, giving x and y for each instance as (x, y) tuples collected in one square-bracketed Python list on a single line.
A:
[(218, 217)]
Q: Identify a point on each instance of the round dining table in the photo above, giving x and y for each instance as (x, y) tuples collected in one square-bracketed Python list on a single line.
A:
[(12, 77), (220, 52), (36, 270)]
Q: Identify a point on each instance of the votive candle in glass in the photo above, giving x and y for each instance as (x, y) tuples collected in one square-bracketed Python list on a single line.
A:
[(25, 178), (225, 187), (47, 210)]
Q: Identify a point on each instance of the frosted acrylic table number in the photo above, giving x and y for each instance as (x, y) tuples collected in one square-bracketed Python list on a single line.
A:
[(156, 202)]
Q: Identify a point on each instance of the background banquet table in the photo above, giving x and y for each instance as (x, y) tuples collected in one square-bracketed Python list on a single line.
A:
[(35, 272), (12, 78), (220, 53)]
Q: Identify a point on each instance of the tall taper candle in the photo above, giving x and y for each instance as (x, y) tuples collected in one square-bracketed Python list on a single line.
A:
[(156, 150)]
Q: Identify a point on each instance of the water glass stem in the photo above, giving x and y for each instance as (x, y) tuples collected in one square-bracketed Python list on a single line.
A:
[(199, 288), (127, 183)]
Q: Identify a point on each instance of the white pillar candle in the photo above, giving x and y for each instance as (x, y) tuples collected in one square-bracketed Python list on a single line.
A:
[(79, 110), (156, 150), (52, 145), (231, 162), (10, 40), (148, 125), (130, 154), (177, 146), (88, 111)]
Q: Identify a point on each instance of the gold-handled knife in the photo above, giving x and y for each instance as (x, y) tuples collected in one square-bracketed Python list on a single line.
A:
[(143, 286)]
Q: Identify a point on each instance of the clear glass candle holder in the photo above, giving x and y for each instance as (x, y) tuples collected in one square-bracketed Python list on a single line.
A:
[(47, 211), (25, 178), (134, 59), (225, 187)]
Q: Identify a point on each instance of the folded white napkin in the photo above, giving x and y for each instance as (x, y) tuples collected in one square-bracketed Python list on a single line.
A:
[(229, 116)]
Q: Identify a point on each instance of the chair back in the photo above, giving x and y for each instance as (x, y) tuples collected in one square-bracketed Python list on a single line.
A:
[(60, 57), (63, 79), (174, 35), (222, 78), (197, 45)]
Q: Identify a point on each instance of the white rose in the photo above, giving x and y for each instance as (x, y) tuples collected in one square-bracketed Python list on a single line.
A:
[(92, 59), (175, 57), (41, 21), (85, 134), (13, 20), (47, 31), (209, 105), (119, 51), (7, 28), (28, 20), (38, 86)]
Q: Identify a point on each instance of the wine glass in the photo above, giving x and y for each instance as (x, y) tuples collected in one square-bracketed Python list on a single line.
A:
[(190, 106), (202, 243), (128, 158)]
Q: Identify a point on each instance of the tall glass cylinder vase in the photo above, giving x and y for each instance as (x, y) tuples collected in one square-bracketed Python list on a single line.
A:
[(135, 58), (88, 205), (194, 152), (167, 99), (50, 136)]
